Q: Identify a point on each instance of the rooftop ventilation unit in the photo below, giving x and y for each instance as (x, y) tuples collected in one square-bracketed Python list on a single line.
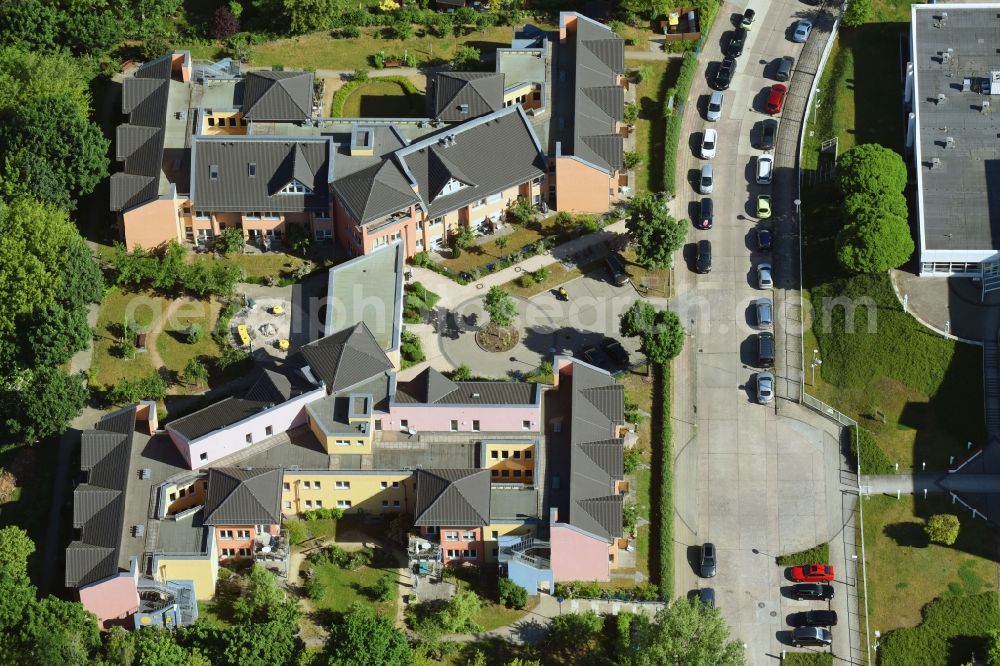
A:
[(941, 98), (947, 55), (138, 531), (145, 473), (949, 142), (935, 163)]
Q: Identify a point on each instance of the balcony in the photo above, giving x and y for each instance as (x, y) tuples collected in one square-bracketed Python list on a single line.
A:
[(527, 550), (271, 552)]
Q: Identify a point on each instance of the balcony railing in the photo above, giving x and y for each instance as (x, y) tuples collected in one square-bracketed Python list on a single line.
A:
[(519, 552)]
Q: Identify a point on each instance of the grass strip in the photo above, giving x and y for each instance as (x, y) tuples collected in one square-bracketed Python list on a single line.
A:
[(661, 551)]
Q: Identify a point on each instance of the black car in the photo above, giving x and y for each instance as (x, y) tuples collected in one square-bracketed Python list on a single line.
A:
[(707, 596), (763, 239), (817, 591), (765, 349), (614, 349), (737, 38), (812, 636), (707, 563), (724, 74), (616, 270), (704, 259), (594, 357), (767, 134), (814, 618), (705, 214), (748, 17)]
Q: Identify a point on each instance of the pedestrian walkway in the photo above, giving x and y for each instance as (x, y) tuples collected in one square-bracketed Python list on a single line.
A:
[(951, 306)]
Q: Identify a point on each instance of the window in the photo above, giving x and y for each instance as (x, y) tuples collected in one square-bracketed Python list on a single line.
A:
[(496, 552), (475, 426), (528, 473), (420, 225), (244, 552), (494, 454), (243, 122), (211, 121), (493, 198), (517, 474), (189, 234), (453, 553), (232, 121), (404, 423), (203, 456), (436, 221), (226, 534), (468, 536), (451, 536), (479, 204), (385, 503), (342, 442), (495, 534), (201, 215), (273, 216), (252, 169), (469, 554), (378, 424), (269, 430), (517, 455), (324, 234), (344, 504), (504, 454), (227, 552), (213, 171), (395, 484), (321, 214), (316, 485), (294, 187), (454, 426), (286, 486), (249, 438), (525, 425), (611, 557), (252, 215), (505, 473), (319, 504), (395, 503), (243, 534), (420, 242), (527, 454), (494, 472), (288, 505), (343, 485), (307, 485), (309, 504), (385, 484), (173, 496), (184, 492), (432, 530)]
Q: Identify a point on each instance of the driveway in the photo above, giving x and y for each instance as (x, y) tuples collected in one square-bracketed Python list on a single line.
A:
[(757, 481)]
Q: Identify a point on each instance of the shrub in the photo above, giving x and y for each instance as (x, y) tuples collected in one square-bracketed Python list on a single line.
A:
[(296, 531), (816, 555), (632, 460), (350, 560), (865, 447), (526, 281), (630, 517), (315, 589), (231, 356), (385, 588), (578, 589), (193, 334), (949, 633), (542, 274), (229, 241), (943, 528), (350, 32), (661, 487), (689, 66), (127, 391), (512, 595), (411, 349)]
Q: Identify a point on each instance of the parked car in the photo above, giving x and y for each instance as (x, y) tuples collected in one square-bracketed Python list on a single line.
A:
[(614, 349), (765, 349), (812, 573), (748, 17), (802, 30), (764, 280), (811, 636), (707, 562), (765, 169), (705, 182), (816, 591), (767, 134), (785, 67), (763, 206), (776, 98), (765, 387), (708, 139), (762, 237), (703, 263), (724, 73), (737, 39), (814, 618), (714, 111), (707, 596), (763, 309), (616, 270), (705, 209), (592, 356)]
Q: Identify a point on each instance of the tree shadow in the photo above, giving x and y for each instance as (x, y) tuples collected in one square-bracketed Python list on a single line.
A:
[(909, 534)]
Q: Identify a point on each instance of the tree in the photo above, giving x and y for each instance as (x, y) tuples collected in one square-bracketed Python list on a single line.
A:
[(874, 242), (44, 405), (224, 23), (500, 307), (262, 643), (54, 631), (119, 646), (91, 32), (171, 266), (655, 233), (309, 15), (462, 239), (230, 241), (156, 646), (688, 632), (31, 25), (80, 276), (365, 637), (126, 391), (134, 268), (859, 204), (632, 160), (631, 113), (993, 649), (384, 588), (638, 319), (512, 595), (461, 374), (297, 238), (195, 372), (858, 12), (502, 243), (54, 333), (457, 615), (260, 594), (15, 549), (521, 211), (57, 162), (943, 528), (660, 332), (466, 59), (573, 636), (870, 167)]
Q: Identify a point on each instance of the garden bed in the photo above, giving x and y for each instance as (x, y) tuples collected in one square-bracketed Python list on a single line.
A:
[(494, 339)]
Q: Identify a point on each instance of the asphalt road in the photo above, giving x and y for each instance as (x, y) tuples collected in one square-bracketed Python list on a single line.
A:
[(757, 481)]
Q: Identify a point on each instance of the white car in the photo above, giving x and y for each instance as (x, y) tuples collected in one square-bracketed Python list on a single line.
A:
[(765, 387), (764, 280), (705, 182), (765, 164), (714, 112), (802, 30), (708, 139)]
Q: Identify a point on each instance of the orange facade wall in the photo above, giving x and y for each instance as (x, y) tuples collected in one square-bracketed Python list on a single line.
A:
[(581, 188), (152, 224), (223, 540)]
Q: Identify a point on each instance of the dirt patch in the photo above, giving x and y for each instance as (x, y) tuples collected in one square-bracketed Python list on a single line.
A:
[(493, 338)]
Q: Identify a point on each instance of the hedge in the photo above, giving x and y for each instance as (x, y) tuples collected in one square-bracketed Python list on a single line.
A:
[(873, 459), (661, 501), (807, 659), (816, 555), (340, 97), (953, 628), (679, 92), (583, 589)]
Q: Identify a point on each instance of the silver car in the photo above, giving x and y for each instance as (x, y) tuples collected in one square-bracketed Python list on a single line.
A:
[(714, 106), (763, 309), (765, 387), (706, 181), (764, 280), (802, 30)]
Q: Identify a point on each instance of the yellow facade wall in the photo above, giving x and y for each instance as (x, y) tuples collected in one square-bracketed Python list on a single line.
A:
[(369, 492), (222, 122), (194, 494), (334, 444), (493, 531), (203, 571), (510, 462)]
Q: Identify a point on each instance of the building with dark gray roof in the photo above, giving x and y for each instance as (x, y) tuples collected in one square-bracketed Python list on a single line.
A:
[(243, 496), (278, 96), (952, 85), (452, 498), (461, 96), (431, 387), (346, 358)]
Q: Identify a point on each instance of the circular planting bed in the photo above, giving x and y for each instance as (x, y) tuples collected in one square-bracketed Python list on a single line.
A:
[(492, 338)]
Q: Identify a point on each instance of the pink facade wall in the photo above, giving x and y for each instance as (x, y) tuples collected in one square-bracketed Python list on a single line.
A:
[(229, 440), (113, 599), (577, 555), (438, 418)]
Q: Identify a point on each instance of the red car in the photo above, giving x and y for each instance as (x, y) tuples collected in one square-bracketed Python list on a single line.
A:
[(776, 98), (812, 573)]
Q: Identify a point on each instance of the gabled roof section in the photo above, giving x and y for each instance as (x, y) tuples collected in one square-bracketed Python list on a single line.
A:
[(607, 455), (346, 358), (611, 99), (430, 387), (610, 148), (492, 153), (376, 191), (240, 496), (99, 502), (452, 498), (609, 50), (131, 138), (441, 171), (461, 96), (297, 165), (278, 96), (605, 512)]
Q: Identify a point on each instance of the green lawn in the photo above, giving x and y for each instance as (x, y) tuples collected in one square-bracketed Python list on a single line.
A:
[(807, 659), (557, 275), (343, 588), (953, 631), (650, 127), (905, 572), (492, 614), (653, 282), (383, 99), (256, 266)]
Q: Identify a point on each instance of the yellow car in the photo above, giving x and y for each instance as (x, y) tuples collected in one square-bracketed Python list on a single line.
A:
[(763, 206)]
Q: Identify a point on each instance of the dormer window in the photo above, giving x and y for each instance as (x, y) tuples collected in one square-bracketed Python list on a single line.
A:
[(463, 108), (213, 172), (252, 169), (294, 187), (451, 187)]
